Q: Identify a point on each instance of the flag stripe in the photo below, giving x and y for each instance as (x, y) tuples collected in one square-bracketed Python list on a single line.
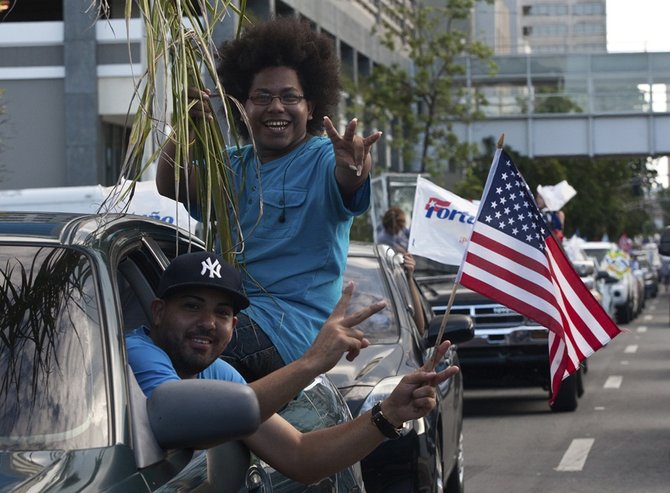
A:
[(524, 294)]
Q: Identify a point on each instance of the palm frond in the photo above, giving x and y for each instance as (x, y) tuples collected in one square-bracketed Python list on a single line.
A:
[(179, 55)]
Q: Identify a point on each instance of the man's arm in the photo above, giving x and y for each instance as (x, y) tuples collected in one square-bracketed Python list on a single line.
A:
[(308, 457), (409, 264), (165, 168), (337, 336)]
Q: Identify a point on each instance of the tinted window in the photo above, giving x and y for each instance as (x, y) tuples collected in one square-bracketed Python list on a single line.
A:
[(52, 384), (382, 327)]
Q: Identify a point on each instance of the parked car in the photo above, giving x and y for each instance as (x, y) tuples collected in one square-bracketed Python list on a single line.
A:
[(598, 281), (508, 349), (628, 291), (429, 455), (646, 272), (73, 417)]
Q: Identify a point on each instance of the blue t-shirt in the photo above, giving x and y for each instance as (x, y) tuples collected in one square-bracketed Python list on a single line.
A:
[(152, 366), (294, 255)]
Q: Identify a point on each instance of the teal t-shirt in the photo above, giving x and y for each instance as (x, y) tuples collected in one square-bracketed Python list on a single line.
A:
[(294, 254), (152, 366)]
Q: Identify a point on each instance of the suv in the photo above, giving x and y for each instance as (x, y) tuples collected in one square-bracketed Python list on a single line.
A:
[(429, 454), (508, 349)]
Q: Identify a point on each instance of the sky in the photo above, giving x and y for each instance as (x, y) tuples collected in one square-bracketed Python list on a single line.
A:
[(638, 25)]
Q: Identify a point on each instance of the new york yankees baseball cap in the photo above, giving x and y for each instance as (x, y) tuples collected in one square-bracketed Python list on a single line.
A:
[(203, 270)]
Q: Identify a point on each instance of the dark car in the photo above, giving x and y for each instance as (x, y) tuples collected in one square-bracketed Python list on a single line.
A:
[(429, 454), (73, 417)]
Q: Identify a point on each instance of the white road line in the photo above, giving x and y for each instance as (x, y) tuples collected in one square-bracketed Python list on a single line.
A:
[(599, 408), (613, 382), (575, 457), (648, 317), (631, 349), (642, 329)]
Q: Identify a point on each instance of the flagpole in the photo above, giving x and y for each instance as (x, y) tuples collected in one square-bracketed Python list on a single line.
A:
[(440, 334)]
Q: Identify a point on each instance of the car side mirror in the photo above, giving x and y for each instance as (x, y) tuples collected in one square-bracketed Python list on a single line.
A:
[(664, 245), (459, 328), (199, 414)]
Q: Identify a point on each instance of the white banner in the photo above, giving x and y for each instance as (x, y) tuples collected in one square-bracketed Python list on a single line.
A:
[(556, 196), (441, 223)]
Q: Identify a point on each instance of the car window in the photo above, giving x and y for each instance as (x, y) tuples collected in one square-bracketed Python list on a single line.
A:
[(382, 327), (52, 379)]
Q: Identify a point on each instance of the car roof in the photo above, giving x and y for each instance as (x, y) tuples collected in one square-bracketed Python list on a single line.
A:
[(38, 224), (73, 228), (597, 244)]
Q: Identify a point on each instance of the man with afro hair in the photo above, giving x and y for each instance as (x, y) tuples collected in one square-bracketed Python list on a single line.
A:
[(299, 184)]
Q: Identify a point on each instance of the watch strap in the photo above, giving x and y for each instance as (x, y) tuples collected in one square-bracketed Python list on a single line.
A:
[(383, 424)]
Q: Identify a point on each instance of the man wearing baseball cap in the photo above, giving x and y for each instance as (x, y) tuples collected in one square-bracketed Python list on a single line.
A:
[(194, 317)]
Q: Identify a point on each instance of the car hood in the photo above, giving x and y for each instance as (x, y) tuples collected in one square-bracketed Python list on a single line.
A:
[(56, 470), (372, 365)]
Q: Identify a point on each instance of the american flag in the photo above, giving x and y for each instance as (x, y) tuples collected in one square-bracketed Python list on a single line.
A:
[(513, 259)]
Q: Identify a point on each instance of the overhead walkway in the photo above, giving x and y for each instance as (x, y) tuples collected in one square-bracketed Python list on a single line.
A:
[(574, 105)]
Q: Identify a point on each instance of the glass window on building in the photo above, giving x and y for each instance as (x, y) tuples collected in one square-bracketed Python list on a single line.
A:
[(589, 8), (552, 96), (550, 30), (588, 28), (32, 11), (545, 9), (618, 95)]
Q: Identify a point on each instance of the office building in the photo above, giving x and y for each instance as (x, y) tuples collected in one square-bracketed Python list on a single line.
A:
[(68, 78)]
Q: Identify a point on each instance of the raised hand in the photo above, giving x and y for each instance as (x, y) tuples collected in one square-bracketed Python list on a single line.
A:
[(199, 103), (352, 151), (415, 395), (339, 334)]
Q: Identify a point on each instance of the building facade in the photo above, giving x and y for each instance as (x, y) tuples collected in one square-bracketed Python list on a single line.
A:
[(542, 26), (68, 79)]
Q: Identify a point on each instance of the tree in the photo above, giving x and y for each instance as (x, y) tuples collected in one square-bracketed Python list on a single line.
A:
[(611, 191), (179, 50), (416, 107)]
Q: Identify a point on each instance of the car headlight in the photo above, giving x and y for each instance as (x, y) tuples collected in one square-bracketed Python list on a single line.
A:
[(381, 391)]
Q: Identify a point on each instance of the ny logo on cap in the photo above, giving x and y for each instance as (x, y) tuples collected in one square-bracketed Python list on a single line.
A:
[(213, 268)]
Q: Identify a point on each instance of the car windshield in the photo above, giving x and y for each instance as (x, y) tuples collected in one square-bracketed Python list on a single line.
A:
[(382, 327), (52, 385), (598, 253)]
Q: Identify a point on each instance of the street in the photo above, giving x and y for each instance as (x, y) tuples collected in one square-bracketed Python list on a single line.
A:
[(618, 439)]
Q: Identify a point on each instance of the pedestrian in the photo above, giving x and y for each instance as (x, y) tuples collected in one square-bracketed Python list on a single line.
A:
[(396, 235), (394, 230), (554, 219), (665, 272), (296, 208), (193, 319)]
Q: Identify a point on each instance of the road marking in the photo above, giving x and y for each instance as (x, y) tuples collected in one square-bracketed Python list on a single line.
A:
[(613, 382), (625, 362), (575, 457), (648, 317), (642, 329), (599, 408), (631, 349)]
